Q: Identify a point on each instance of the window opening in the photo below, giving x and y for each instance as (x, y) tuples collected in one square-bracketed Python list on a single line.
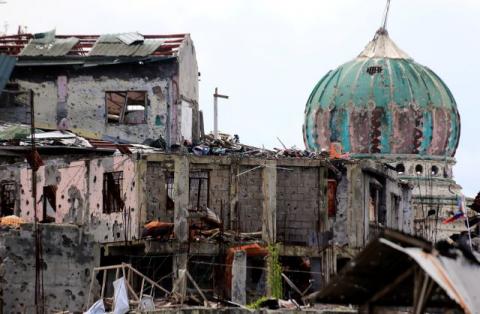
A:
[(169, 184), (331, 198), (400, 168), (49, 203), (126, 107), (199, 190), (7, 198), (419, 169), (435, 170), (374, 70), (395, 209), (112, 192), (373, 203)]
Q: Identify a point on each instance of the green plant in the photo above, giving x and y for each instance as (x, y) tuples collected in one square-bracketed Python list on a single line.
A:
[(274, 272), (255, 305)]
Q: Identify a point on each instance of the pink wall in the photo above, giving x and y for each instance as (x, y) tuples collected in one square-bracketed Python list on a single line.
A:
[(79, 195)]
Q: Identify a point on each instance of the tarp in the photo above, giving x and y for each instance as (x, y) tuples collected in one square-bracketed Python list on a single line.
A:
[(120, 298)]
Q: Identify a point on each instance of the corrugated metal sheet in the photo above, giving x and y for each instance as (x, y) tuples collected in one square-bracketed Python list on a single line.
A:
[(458, 277), (7, 63), (130, 38), (108, 47), (44, 38), (59, 47)]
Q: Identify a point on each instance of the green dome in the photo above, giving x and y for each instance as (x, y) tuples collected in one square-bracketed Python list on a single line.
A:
[(382, 102)]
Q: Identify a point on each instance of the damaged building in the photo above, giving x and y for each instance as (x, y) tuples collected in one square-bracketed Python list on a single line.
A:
[(119, 87), (386, 107), (103, 158)]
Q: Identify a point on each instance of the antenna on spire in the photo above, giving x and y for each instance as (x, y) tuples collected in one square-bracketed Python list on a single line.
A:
[(385, 16)]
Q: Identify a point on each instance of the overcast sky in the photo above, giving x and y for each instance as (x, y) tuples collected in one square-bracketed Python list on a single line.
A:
[(268, 55)]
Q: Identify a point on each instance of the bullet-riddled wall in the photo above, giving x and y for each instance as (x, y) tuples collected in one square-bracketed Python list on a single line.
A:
[(78, 189)]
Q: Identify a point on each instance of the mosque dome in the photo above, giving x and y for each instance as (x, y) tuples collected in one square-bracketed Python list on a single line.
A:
[(382, 102)]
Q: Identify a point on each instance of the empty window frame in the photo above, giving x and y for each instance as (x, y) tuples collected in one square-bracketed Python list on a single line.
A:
[(49, 203), (332, 198), (112, 192), (395, 210), (199, 190), (7, 198), (126, 107), (169, 187)]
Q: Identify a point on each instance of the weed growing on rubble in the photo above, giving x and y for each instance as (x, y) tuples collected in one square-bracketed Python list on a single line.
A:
[(275, 272)]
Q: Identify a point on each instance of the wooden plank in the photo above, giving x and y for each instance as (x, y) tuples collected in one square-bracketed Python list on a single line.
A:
[(205, 300), (380, 294), (104, 280)]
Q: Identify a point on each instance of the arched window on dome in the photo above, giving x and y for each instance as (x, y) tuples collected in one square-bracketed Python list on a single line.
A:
[(400, 168), (435, 170), (418, 169)]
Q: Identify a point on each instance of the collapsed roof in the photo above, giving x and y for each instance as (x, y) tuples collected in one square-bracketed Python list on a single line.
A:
[(49, 44)]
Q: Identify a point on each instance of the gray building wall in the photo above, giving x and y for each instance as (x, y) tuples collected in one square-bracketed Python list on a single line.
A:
[(69, 256)]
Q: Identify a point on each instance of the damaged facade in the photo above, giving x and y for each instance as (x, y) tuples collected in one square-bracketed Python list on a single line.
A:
[(120, 87), (201, 217)]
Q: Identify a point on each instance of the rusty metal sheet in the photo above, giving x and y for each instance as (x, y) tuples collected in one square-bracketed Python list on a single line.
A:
[(115, 45), (58, 47)]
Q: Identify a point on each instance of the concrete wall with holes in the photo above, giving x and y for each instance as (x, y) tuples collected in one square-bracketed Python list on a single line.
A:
[(79, 198), (352, 224), (78, 95), (69, 256)]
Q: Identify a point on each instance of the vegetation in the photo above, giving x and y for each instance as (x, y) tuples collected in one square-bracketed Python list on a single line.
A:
[(275, 272)]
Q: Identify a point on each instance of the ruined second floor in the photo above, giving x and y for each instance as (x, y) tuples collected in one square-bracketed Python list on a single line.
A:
[(300, 202), (121, 87)]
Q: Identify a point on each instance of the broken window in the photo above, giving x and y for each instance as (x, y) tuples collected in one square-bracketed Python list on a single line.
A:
[(374, 70), (49, 203), (374, 200), (112, 192), (7, 198), (126, 107), (332, 198), (199, 187), (395, 208), (170, 202)]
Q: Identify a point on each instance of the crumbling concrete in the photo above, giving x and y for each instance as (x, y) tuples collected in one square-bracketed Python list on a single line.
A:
[(69, 254)]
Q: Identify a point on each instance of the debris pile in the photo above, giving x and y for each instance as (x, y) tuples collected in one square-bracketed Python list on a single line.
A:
[(230, 145)]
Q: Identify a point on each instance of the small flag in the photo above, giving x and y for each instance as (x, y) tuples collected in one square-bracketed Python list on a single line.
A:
[(460, 211)]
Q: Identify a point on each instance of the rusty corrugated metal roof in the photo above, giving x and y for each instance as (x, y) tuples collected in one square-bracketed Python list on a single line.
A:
[(384, 272), (115, 45), (124, 44), (7, 63), (59, 47)]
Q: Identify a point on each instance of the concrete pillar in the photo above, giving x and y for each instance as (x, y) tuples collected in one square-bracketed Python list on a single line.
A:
[(239, 278), (269, 189), (141, 186), (180, 197)]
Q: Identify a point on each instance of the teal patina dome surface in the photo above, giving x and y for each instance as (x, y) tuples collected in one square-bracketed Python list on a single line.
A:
[(382, 102)]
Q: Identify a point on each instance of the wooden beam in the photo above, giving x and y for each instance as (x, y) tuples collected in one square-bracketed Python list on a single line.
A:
[(380, 294)]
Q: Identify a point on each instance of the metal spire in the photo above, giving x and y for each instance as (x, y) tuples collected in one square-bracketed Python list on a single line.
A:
[(385, 16)]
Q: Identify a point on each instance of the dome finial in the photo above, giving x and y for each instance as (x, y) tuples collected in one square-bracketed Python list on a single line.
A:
[(383, 27)]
